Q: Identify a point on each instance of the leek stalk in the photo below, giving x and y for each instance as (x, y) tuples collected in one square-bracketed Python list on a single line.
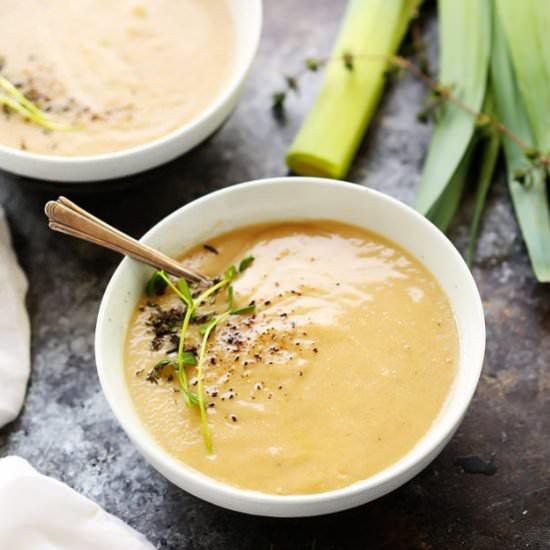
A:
[(328, 140)]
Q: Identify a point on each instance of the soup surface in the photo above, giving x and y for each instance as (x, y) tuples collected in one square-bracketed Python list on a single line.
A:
[(124, 72), (341, 369)]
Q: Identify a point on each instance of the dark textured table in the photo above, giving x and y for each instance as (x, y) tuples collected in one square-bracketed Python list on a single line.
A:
[(67, 430)]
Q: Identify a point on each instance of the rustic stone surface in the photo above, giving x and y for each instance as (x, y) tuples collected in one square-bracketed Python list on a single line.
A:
[(67, 430)]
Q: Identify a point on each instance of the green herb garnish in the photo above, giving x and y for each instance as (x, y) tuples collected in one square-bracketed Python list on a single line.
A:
[(184, 289), (206, 330), (245, 263), (192, 397), (230, 273), (250, 308), (188, 358), (158, 284), (154, 374), (13, 99)]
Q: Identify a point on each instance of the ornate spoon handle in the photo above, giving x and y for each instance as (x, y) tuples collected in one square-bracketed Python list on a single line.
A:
[(67, 217)]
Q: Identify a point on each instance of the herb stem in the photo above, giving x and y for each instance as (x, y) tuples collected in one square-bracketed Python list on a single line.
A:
[(191, 306), (211, 291), (12, 104), (200, 378), (184, 293), (182, 376), (173, 286), (17, 101)]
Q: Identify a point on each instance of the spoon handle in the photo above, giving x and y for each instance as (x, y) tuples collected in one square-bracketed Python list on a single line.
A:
[(67, 217)]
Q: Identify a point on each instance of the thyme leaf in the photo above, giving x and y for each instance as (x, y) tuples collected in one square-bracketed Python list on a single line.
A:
[(188, 358), (192, 397), (245, 263), (251, 308), (156, 285), (184, 289), (153, 375), (200, 380), (230, 273)]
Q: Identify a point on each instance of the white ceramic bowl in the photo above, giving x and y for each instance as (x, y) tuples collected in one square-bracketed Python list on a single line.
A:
[(282, 199), (247, 17)]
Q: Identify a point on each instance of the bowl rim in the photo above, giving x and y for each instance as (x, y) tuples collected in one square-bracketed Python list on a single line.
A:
[(237, 77), (430, 443)]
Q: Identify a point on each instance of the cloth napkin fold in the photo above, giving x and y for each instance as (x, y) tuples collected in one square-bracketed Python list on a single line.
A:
[(38, 512), (14, 330)]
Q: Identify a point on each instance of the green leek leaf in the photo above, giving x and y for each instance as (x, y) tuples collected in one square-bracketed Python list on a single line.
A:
[(443, 211), (465, 31), (526, 26), (530, 201)]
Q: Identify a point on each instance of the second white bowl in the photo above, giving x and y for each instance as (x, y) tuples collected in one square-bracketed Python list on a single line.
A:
[(247, 16)]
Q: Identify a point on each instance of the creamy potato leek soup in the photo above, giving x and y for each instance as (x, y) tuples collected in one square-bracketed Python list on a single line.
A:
[(320, 355), (112, 74)]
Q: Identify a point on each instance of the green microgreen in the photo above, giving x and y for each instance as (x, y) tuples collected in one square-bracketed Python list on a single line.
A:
[(230, 273), (205, 327), (192, 397), (206, 330), (200, 380), (154, 374), (250, 308), (13, 99), (162, 274), (230, 297), (158, 283), (183, 358), (245, 263), (188, 358), (182, 376), (184, 289)]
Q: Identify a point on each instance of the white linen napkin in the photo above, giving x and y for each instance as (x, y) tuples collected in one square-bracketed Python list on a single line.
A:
[(14, 330), (38, 512)]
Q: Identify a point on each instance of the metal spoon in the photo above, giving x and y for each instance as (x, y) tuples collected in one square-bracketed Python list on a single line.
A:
[(67, 217)]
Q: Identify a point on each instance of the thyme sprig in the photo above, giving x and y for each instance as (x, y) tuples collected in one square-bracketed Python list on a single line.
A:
[(206, 330), (157, 284), (439, 93), (12, 98)]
